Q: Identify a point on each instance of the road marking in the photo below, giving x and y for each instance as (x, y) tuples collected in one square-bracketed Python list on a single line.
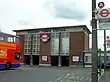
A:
[(82, 78), (77, 77), (67, 75), (101, 74), (59, 78), (87, 78), (49, 81), (72, 73), (73, 77)]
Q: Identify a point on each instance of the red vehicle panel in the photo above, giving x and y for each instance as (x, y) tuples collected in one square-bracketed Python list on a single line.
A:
[(10, 56)]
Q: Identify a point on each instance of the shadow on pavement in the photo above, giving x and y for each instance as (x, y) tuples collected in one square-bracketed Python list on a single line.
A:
[(6, 69)]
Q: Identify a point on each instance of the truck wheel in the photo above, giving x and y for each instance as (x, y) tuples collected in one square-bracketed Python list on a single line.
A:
[(8, 66)]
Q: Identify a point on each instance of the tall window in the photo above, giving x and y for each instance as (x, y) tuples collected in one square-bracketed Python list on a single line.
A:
[(64, 43), (54, 43), (35, 44), (27, 45)]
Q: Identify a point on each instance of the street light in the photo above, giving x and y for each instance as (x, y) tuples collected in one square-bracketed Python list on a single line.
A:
[(94, 74)]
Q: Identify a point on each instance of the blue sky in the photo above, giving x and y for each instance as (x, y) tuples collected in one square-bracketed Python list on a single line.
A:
[(19, 14)]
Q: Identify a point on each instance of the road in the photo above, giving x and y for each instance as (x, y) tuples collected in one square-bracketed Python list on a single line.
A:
[(45, 74)]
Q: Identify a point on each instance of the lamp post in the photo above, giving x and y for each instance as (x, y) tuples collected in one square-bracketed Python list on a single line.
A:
[(105, 50), (94, 74)]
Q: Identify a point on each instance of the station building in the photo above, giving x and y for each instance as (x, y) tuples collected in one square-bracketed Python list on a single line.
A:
[(54, 46)]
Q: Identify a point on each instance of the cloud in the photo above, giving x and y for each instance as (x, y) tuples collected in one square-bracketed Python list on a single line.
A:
[(63, 12), (27, 14), (22, 14), (13, 14), (67, 9)]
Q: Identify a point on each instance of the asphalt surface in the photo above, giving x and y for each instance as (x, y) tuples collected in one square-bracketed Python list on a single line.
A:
[(105, 77), (45, 74)]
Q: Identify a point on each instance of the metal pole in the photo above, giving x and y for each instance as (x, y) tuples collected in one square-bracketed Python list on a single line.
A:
[(105, 50), (94, 74), (31, 58), (59, 57), (100, 62)]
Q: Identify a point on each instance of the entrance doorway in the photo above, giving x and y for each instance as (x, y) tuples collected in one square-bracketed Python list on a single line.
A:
[(27, 59), (35, 60), (54, 60), (64, 60)]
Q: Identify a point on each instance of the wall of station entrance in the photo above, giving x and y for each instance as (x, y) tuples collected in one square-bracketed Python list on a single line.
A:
[(78, 42)]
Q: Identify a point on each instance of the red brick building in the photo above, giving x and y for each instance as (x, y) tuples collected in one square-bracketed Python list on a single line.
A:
[(55, 46)]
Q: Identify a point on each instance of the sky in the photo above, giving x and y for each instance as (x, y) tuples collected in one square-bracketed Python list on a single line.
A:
[(21, 14)]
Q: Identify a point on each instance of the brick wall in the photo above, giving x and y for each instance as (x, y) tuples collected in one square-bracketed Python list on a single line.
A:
[(76, 45)]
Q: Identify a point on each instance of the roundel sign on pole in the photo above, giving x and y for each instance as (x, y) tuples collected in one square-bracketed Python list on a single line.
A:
[(44, 37), (108, 37), (104, 13), (101, 5)]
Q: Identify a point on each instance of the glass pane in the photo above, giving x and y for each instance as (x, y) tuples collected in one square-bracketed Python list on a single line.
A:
[(17, 39), (10, 39), (55, 45), (25, 50), (29, 42), (34, 46), (25, 46), (29, 46), (14, 38), (29, 50), (65, 45), (26, 37), (25, 42), (1, 37)]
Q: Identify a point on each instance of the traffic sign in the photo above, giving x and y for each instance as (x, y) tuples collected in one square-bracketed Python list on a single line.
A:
[(108, 37), (104, 13), (101, 5), (44, 37), (104, 18)]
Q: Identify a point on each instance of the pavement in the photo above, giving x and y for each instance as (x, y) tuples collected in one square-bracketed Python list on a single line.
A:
[(105, 77), (46, 74)]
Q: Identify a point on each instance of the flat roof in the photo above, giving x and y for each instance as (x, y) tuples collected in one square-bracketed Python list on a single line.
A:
[(7, 34), (77, 26)]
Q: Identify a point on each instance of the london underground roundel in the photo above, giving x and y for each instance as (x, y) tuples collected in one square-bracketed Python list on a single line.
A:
[(108, 37), (104, 13), (44, 37), (101, 4)]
